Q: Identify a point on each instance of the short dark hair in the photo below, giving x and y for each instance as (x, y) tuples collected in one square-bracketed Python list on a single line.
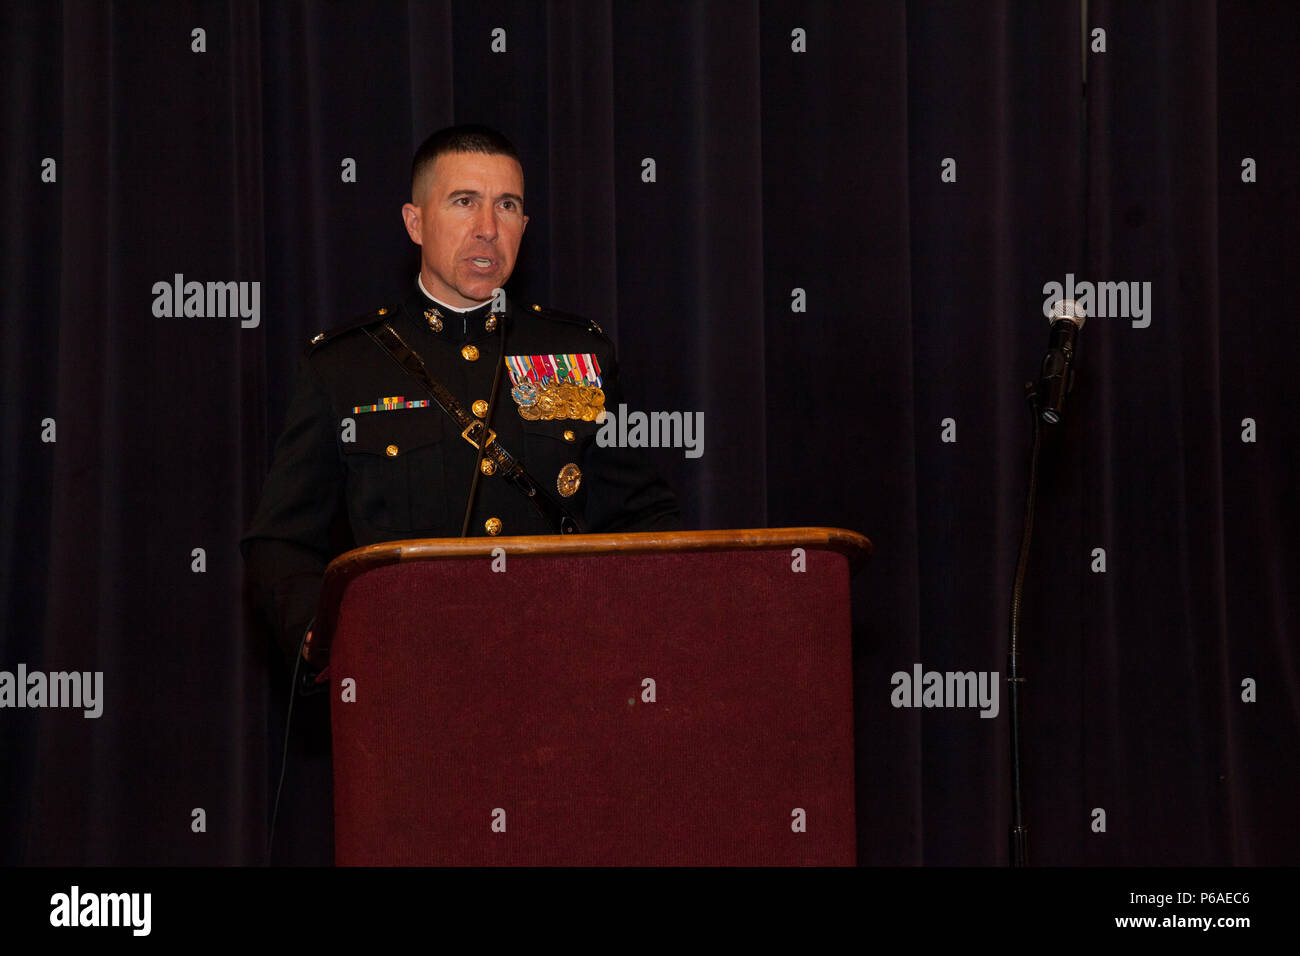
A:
[(467, 138)]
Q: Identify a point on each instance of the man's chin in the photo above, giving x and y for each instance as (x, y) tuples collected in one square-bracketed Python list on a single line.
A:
[(481, 289)]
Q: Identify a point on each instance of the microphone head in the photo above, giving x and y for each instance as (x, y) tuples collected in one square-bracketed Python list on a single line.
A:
[(1069, 310)]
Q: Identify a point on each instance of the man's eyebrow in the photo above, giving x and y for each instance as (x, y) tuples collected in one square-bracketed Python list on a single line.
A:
[(475, 194)]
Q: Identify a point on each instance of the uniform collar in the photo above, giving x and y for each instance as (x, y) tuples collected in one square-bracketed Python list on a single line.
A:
[(446, 308), (470, 325)]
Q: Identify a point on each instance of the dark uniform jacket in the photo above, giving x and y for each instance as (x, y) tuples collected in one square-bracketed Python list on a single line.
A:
[(408, 471)]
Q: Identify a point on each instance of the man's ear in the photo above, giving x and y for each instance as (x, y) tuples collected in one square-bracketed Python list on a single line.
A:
[(525, 226), (411, 216)]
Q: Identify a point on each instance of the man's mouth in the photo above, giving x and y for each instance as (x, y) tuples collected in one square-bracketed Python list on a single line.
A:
[(482, 262)]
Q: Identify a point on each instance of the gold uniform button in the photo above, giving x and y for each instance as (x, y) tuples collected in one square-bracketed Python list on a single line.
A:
[(490, 323), (493, 526), (480, 408), (487, 466), (470, 353), (383, 311), (319, 336), (568, 480), (568, 435), (391, 451), (536, 307)]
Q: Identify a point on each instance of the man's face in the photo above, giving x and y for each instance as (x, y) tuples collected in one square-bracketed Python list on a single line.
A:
[(469, 226)]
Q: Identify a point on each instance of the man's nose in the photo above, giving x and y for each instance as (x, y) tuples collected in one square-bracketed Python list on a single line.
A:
[(485, 226)]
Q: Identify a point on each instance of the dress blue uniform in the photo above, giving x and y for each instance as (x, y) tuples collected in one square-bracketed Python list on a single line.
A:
[(367, 455)]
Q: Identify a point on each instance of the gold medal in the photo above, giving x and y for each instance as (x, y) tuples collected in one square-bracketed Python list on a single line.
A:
[(529, 413), (567, 482)]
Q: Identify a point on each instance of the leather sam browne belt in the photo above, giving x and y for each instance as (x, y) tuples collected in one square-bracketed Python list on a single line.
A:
[(476, 432)]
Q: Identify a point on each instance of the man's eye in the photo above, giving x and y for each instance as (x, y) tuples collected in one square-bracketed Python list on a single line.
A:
[(463, 200)]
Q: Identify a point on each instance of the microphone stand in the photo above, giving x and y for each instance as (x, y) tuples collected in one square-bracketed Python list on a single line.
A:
[(1015, 677)]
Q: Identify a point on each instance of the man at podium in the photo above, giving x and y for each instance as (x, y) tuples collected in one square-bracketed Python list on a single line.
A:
[(455, 412)]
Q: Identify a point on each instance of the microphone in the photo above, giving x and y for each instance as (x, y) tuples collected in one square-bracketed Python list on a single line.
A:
[(1056, 377)]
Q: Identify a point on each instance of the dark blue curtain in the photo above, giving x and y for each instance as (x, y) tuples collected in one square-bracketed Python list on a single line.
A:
[(801, 270)]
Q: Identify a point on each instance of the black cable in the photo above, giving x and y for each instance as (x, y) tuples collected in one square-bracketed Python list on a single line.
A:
[(1085, 141), (284, 752), (1019, 832)]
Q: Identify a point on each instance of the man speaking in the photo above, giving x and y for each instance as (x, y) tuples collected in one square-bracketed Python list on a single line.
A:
[(457, 412)]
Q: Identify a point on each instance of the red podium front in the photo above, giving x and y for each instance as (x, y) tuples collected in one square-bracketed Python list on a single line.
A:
[(677, 698)]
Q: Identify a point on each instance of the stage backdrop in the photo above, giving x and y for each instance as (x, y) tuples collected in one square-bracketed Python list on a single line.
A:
[(830, 228)]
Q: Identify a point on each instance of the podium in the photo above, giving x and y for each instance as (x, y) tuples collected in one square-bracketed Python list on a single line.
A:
[(652, 698)]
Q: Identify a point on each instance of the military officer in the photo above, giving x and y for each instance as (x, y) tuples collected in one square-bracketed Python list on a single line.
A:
[(433, 416)]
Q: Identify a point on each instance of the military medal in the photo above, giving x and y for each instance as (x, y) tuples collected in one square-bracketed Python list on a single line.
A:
[(568, 480), (556, 387), (524, 394), (546, 405)]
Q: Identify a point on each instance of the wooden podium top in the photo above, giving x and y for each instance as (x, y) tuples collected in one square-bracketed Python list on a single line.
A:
[(857, 548)]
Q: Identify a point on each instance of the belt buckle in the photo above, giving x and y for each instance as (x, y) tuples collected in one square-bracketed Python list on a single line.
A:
[(465, 435)]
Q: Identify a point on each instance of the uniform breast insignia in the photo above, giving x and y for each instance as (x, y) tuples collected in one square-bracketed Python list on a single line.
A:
[(556, 387), (568, 480), (390, 405)]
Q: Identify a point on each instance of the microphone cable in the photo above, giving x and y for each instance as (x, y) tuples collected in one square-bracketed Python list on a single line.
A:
[(284, 751)]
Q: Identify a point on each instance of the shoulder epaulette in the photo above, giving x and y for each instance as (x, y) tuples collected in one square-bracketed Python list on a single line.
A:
[(370, 318), (590, 324)]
